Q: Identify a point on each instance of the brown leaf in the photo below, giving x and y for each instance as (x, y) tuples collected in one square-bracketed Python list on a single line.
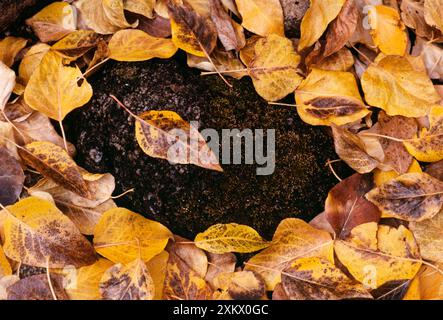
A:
[(392, 290), (219, 263), (157, 27), (414, 17), (37, 288), (436, 170), (225, 27), (11, 178), (241, 285), (194, 257), (346, 206)]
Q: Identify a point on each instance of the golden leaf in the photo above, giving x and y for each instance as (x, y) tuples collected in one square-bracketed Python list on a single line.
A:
[(136, 45), (411, 197), (76, 44), (122, 236), (329, 97), (342, 60), (223, 238), (37, 233), (5, 267), (382, 177), (157, 269), (414, 91), (387, 30), (9, 48), (273, 68), (142, 7), (431, 283), (194, 257), (240, 285), (318, 279), (375, 254), (316, 20), (31, 61), (434, 13), (54, 88), (53, 22), (262, 17), (129, 282), (293, 239), (165, 135)]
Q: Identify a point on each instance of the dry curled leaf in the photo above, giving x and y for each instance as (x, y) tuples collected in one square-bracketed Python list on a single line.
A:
[(37, 288), (11, 178), (223, 238), (9, 49), (413, 16), (226, 27)]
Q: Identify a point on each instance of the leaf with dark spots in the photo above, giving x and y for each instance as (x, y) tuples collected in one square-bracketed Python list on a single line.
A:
[(225, 27), (11, 178), (436, 170), (346, 206), (240, 285), (411, 197), (326, 107), (37, 288), (392, 290)]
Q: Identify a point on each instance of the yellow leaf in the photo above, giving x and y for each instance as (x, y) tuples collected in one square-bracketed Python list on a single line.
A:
[(5, 267), (414, 91), (375, 254), (9, 48), (31, 61), (293, 239), (262, 17), (36, 231), (342, 60), (273, 68), (142, 7), (129, 282), (84, 282), (223, 238), (157, 269), (317, 19), (136, 45), (240, 285), (122, 236), (326, 97), (54, 89), (387, 30), (76, 44), (318, 279), (434, 13), (165, 135), (382, 177), (53, 22), (431, 283)]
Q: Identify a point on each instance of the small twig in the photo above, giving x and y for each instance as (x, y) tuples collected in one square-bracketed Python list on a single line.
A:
[(123, 194)]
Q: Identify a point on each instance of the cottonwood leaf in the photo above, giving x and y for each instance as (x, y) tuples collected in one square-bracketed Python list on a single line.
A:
[(129, 282), (53, 22), (76, 44), (381, 177), (346, 206), (240, 285), (194, 257), (273, 68), (218, 264), (226, 27), (341, 29), (375, 255), (191, 32), (157, 269), (352, 150), (54, 89), (31, 61), (86, 281), (342, 60), (142, 7), (122, 236), (11, 178), (9, 49), (318, 279), (38, 234), (136, 45), (183, 283), (54, 163), (317, 19), (37, 288), (165, 135), (329, 97), (434, 13), (5, 267), (387, 30), (293, 239), (414, 91), (223, 238), (262, 17), (411, 197)]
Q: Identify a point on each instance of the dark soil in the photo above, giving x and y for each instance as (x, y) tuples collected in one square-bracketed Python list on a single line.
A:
[(186, 198)]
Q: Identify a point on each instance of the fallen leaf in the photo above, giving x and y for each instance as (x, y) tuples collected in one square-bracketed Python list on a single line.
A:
[(137, 45), (375, 254), (342, 60), (293, 239), (411, 197), (414, 17), (223, 238), (129, 282), (220, 60), (7, 83), (31, 61), (11, 178), (273, 68), (436, 170), (157, 269), (432, 56), (240, 285), (122, 236), (142, 7), (37, 288), (38, 234), (158, 27), (165, 135), (318, 279), (434, 13), (218, 264), (5, 283), (5, 267), (382, 177), (194, 257), (392, 290), (9, 49), (76, 44), (227, 33), (431, 283)]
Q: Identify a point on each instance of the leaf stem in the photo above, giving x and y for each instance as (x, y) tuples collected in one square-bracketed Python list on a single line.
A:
[(60, 122)]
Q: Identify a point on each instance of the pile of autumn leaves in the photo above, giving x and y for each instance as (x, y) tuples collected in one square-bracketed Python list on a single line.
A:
[(381, 235)]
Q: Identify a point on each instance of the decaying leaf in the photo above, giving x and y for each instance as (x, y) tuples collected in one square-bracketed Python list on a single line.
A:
[(414, 17), (11, 178), (157, 269), (142, 7), (165, 135), (412, 197), (194, 257), (240, 285), (38, 234), (5, 283), (381, 177), (432, 56), (136, 45), (54, 88), (5, 267), (430, 283), (53, 22), (31, 61), (273, 67), (375, 254), (346, 207), (342, 60), (7, 83), (226, 27), (392, 290), (318, 279), (293, 239), (122, 236), (129, 282), (329, 97), (262, 17), (434, 13), (76, 44), (223, 238), (218, 264), (9, 48), (37, 288)]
